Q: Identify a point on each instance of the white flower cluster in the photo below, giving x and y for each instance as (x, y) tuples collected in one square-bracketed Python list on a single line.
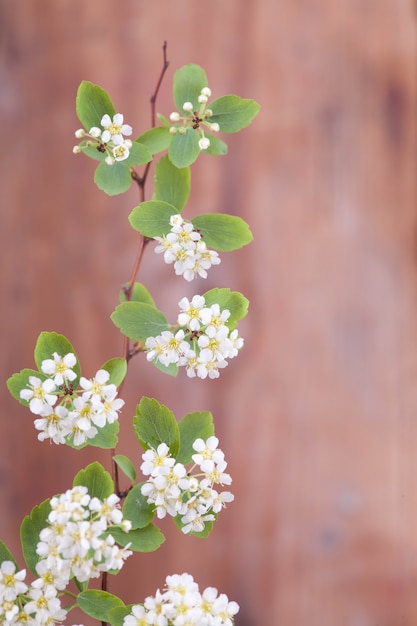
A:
[(75, 417), (175, 491), (203, 343), (182, 604), (109, 139), (71, 545), (184, 247), (195, 119)]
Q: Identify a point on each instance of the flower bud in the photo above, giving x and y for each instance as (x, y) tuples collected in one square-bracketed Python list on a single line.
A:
[(76, 149), (172, 130), (79, 133), (206, 91), (94, 132), (175, 116), (202, 99), (215, 127), (109, 160), (204, 143), (188, 106)]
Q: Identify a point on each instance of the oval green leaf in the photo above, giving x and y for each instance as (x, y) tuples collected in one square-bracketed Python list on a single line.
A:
[(29, 533), (146, 539), (98, 482), (137, 509), (126, 466), (156, 139), (97, 603), (117, 368), (154, 423), (184, 148), (138, 320), (223, 232), (172, 185), (232, 113), (189, 80), (91, 104), (113, 179), (152, 218)]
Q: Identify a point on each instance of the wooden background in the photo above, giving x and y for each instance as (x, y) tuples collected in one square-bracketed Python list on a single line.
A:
[(318, 415)]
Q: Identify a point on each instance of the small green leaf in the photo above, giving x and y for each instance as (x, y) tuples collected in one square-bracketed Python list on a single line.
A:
[(146, 539), (234, 301), (172, 185), (191, 427), (152, 218), (20, 381), (170, 370), (184, 148), (29, 533), (138, 155), (98, 482), (217, 146), (6, 555), (138, 320), (189, 80), (48, 343), (126, 466), (139, 294), (137, 509), (97, 604), (113, 179), (117, 368), (91, 104), (165, 121), (156, 139), (232, 113), (154, 423), (223, 232)]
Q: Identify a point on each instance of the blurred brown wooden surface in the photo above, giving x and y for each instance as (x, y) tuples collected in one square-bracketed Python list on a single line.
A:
[(318, 416)]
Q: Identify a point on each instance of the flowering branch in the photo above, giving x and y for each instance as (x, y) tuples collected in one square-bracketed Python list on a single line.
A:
[(92, 527)]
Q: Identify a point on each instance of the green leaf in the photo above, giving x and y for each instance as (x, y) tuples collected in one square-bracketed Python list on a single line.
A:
[(146, 539), (20, 381), (223, 232), (97, 604), (170, 370), (116, 616), (138, 155), (152, 218), (232, 113), (48, 343), (98, 482), (154, 423), (217, 146), (233, 300), (92, 103), (184, 148), (191, 427), (165, 121), (126, 466), (113, 179), (139, 294), (156, 139), (137, 509), (138, 320), (6, 555), (29, 533), (172, 185), (189, 80), (117, 368)]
